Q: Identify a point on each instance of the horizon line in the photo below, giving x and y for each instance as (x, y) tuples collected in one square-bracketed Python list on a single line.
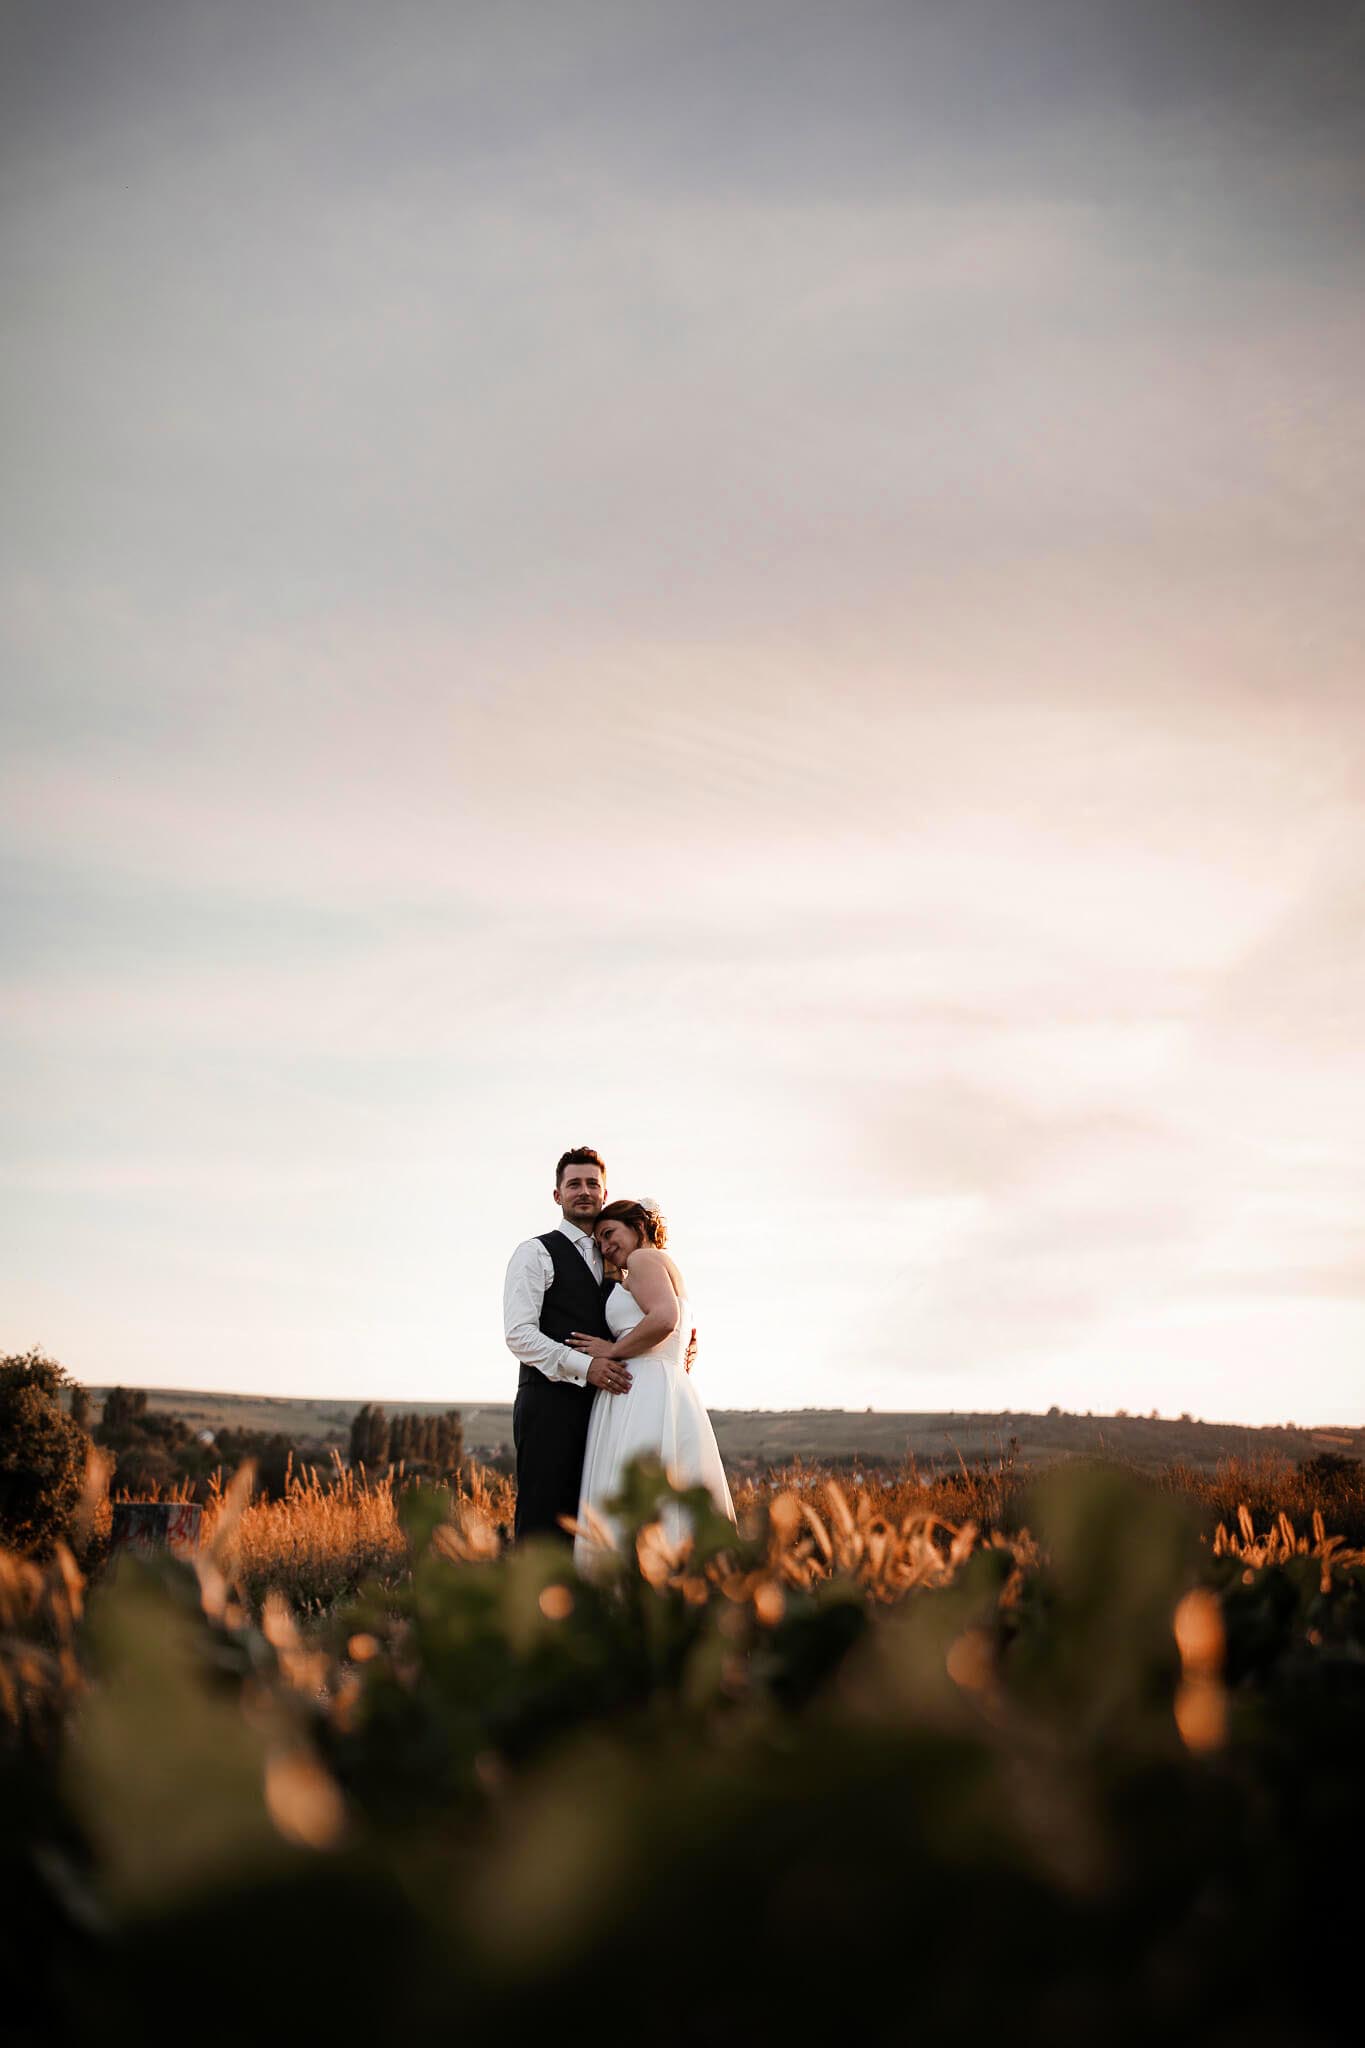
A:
[(1034, 1414)]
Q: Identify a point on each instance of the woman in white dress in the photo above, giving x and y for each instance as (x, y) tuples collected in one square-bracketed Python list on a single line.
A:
[(662, 1413)]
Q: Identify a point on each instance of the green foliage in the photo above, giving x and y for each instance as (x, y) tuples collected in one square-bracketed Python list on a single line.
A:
[(705, 1797), (43, 1454), (153, 1452), (273, 1456), (370, 1437), (430, 1443), (420, 1443), (1329, 1467), (157, 1452), (1092, 1637), (125, 1408), (422, 1510), (163, 1765)]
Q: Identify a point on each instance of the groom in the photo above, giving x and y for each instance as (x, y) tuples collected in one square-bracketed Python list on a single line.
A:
[(555, 1285)]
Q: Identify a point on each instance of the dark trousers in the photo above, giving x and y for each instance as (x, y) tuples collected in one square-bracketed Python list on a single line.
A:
[(549, 1432)]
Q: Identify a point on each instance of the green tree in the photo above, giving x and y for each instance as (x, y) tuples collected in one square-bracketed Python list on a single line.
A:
[(125, 1408), (370, 1437), (152, 1451), (449, 1441), (43, 1453)]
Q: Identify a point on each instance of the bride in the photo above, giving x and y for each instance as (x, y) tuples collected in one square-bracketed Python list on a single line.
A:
[(648, 1315)]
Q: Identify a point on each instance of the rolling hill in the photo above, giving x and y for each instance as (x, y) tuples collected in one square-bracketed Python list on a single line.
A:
[(775, 1436)]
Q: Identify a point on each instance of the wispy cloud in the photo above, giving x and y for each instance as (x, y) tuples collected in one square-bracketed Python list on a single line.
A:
[(784, 600)]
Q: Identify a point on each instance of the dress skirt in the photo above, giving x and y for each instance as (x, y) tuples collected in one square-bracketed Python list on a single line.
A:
[(663, 1416)]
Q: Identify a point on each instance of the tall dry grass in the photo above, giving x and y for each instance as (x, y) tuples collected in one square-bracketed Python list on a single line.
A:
[(302, 1554), (316, 1544), (990, 1494), (335, 1527), (1268, 1487), (994, 1493), (40, 1674), (332, 1530)]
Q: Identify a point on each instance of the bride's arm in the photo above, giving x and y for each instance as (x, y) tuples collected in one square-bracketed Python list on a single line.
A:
[(653, 1289)]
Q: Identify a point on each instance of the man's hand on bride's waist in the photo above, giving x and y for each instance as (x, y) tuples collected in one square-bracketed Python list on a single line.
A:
[(611, 1374), (605, 1371)]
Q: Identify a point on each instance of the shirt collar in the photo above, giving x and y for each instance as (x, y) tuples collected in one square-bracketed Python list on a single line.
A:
[(572, 1230)]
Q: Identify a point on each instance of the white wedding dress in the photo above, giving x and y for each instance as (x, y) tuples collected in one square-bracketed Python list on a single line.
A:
[(663, 1414)]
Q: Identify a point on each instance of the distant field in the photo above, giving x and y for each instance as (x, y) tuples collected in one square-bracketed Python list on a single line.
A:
[(773, 1436)]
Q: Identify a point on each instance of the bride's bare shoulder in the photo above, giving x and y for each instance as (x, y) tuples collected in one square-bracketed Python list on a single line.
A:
[(650, 1258)]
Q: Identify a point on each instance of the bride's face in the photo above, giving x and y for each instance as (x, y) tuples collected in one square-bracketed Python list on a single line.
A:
[(616, 1241)]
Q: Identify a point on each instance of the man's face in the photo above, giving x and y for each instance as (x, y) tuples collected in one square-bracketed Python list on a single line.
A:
[(581, 1194)]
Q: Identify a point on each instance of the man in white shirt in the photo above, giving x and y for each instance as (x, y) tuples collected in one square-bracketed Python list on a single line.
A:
[(555, 1285)]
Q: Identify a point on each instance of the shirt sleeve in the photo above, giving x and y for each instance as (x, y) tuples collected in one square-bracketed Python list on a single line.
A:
[(529, 1273)]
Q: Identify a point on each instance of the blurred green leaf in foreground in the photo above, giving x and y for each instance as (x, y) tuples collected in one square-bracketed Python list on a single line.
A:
[(828, 1773)]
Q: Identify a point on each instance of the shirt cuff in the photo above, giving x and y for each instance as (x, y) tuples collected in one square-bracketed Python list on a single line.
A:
[(573, 1365)]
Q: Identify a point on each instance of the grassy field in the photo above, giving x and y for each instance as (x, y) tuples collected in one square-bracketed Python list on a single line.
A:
[(772, 1436), (997, 1757), (334, 1528)]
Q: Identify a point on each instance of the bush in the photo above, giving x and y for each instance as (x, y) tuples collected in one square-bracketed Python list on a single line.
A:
[(1032, 1790), (43, 1454), (1330, 1466), (273, 1454), (153, 1454)]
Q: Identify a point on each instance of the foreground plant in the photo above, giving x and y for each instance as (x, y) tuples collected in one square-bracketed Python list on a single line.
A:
[(1036, 1787)]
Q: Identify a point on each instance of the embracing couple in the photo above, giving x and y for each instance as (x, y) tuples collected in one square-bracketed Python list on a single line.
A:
[(597, 1313)]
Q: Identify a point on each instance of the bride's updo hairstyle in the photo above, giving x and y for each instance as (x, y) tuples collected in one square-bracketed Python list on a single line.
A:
[(641, 1217)]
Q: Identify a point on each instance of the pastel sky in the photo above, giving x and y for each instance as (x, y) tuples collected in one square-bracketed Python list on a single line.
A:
[(773, 588)]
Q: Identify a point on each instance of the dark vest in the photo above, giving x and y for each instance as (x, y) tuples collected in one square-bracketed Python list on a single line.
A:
[(550, 1417), (573, 1299)]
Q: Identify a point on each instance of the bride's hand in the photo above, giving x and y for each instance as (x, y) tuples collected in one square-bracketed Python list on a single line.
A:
[(595, 1347)]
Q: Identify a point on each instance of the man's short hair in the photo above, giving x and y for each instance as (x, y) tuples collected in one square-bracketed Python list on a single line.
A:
[(581, 1155)]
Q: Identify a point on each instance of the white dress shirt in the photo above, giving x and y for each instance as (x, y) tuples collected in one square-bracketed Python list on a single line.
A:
[(530, 1271)]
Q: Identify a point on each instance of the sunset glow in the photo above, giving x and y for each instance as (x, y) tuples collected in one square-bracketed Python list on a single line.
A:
[(787, 606)]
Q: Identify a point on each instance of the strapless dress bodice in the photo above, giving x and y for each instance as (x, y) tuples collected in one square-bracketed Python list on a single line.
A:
[(624, 1312)]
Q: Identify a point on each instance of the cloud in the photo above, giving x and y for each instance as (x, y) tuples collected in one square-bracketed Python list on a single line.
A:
[(1302, 984), (1325, 1282), (590, 317), (780, 594)]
